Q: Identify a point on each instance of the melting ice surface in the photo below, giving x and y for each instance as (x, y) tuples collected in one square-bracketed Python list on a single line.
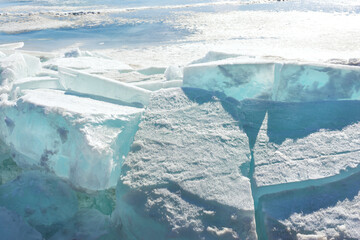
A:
[(131, 137)]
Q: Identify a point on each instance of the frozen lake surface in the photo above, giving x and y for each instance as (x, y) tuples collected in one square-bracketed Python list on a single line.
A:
[(179, 119)]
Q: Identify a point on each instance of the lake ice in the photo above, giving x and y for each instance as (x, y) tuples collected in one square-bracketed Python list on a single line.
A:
[(184, 120)]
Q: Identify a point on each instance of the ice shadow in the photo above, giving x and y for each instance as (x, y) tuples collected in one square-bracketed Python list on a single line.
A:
[(298, 120), (134, 208), (281, 206), (248, 113), (286, 120)]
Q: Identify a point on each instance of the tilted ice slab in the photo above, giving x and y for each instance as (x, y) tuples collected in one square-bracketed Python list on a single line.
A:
[(78, 138), (157, 85), (14, 227), (302, 144), (46, 82), (330, 211), (243, 78), (82, 82), (17, 66), (237, 78), (299, 82), (89, 64), (11, 46), (186, 174)]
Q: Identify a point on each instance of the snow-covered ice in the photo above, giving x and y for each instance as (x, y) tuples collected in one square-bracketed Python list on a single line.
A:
[(189, 158), (89, 64)]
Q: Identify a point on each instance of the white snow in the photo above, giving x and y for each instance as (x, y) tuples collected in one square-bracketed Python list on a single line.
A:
[(329, 211), (173, 73)]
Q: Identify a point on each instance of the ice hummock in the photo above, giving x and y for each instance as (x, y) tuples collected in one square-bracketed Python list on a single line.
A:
[(183, 175), (79, 138), (252, 137)]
